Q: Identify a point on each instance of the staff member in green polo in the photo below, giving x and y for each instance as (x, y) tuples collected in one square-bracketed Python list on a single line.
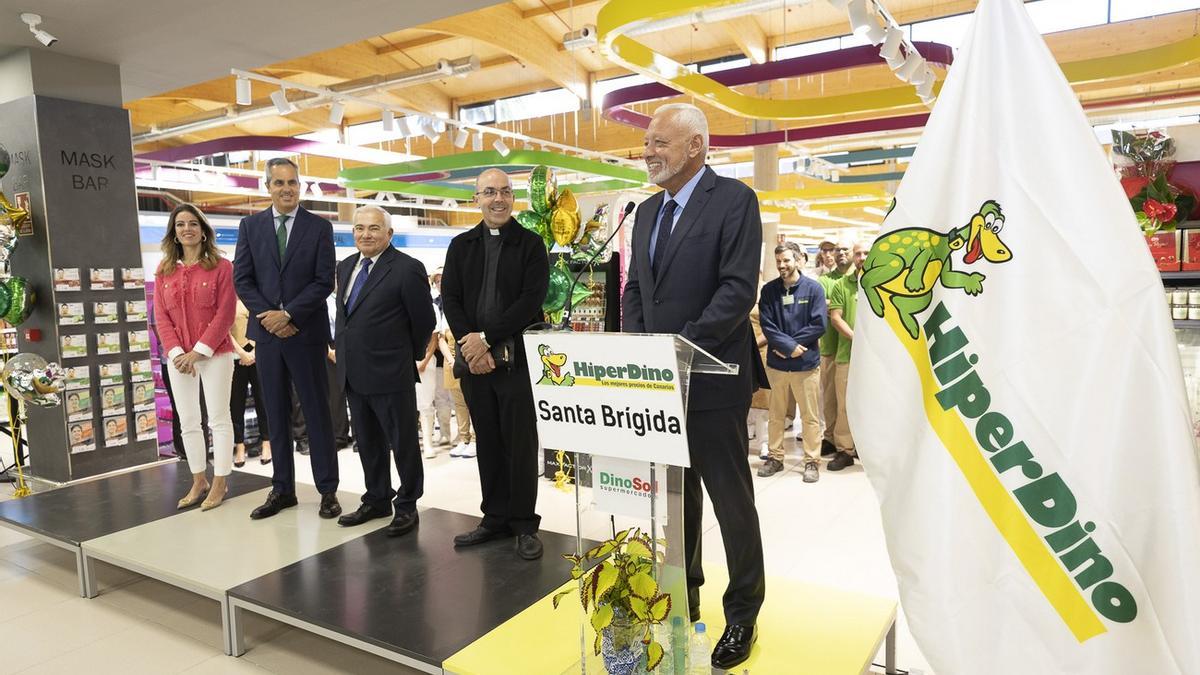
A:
[(843, 300), (835, 260)]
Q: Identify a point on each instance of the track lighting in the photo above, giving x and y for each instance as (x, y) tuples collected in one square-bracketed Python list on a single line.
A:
[(282, 104), (429, 131), (388, 120), (460, 137), (499, 146), (315, 189), (449, 204), (242, 91), (477, 142), (336, 112), (912, 63), (863, 23), (890, 51)]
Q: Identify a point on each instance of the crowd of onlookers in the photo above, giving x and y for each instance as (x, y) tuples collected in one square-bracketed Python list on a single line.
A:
[(804, 324)]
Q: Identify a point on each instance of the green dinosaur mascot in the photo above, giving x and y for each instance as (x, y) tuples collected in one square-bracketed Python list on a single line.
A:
[(904, 266), (552, 364)]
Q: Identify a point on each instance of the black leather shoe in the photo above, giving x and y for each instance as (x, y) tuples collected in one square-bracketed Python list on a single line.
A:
[(734, 646), (479, 535), (402, 524), (529, 546), (276, 502), (364, 513), (828, 449), (330, 508)]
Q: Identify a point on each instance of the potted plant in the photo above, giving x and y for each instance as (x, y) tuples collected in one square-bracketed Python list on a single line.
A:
[(623, 598)]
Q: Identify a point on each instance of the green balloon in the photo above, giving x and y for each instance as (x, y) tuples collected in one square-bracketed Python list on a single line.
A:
[(556, 292), (537, 224), (5, 299), (580, 294), (21, 300)]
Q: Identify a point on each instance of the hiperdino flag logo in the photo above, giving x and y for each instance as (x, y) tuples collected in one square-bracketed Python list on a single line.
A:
[(1039, 517), (594, 374)]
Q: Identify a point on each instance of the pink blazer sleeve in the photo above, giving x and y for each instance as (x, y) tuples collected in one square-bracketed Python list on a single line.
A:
[(167, 335), (217, 330)]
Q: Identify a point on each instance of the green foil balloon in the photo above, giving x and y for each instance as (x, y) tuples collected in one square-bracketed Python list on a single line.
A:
[(5, 300), (21, 299), (581, 293), (537, 224), (543, 189), (556, 292)]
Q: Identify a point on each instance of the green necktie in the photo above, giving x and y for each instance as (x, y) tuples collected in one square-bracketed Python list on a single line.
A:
[(281, 234)]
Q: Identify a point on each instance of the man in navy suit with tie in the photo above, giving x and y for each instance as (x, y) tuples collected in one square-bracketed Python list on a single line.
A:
[(384, 318), (693, 271), (283, 270)]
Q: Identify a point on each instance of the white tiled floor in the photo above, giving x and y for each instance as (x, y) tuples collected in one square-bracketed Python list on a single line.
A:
[(827, 533)]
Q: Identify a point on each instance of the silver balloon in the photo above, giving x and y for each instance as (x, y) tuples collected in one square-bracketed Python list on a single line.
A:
[(5, 161), (30, 378)]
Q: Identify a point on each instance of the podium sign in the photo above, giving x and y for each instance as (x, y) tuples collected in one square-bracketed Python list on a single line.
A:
[(612, 395)]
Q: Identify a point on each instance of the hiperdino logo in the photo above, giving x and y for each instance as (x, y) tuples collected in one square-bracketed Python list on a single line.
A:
[(1036, 511), (594, 374)]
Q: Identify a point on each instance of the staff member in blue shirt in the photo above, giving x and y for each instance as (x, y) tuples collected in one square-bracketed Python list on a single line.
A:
[(792, 312)]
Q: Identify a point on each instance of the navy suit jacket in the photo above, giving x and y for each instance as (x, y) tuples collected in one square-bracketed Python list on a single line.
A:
[(392, 321), (299, 283), (706, 286)]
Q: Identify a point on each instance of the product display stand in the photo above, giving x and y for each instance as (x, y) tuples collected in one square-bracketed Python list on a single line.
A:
[(624, 396)]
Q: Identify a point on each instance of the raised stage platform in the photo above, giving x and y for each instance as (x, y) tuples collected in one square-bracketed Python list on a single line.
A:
[(68, 516), (415, 599)]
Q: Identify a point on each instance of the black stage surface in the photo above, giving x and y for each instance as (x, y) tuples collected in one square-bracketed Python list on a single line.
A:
[(415, 595), (95, 508)]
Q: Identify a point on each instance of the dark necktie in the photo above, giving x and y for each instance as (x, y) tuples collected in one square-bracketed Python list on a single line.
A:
[(281, 234), (664, 235), (359, 282)]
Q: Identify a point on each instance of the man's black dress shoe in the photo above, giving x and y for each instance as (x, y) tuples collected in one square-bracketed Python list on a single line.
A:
[(402, 524), (276, 502), (734, 646), (364, 513), (529, 546), (479, 535), (330, 508)]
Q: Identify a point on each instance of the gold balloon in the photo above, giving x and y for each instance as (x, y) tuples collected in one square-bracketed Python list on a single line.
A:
[(17, 214), (564, 222)]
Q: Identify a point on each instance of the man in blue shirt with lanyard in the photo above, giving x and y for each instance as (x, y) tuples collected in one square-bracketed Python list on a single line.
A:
[(791, 311)]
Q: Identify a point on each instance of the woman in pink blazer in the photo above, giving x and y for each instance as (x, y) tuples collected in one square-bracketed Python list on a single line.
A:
[(194, 302)]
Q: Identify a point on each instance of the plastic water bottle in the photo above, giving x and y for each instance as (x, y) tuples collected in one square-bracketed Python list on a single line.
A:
[(700, 652), (679, 647), (662, 635)]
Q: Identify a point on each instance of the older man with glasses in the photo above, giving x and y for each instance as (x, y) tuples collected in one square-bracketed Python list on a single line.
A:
[(493, 286)]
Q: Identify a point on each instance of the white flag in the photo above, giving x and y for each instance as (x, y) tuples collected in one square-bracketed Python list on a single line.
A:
[(1015, 388)]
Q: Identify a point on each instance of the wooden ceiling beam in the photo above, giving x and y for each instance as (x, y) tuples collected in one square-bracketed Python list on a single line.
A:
[(555, 7), (412, 44), (504, 27), (749, 37)]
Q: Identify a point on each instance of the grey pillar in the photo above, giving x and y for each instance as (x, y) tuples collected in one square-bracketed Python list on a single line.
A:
[(61, 120)]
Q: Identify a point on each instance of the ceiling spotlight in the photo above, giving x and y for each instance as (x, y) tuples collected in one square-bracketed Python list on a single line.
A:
[(912, 63), (315, 189), (438, 124), (449, 204), (890, 51), (282, 104), (429, 131), (388, 121), (477, 142), (863, 24), (499, 146), (460, 137), (242, 91), (925, 87), (924, 76), (33, 21), (336, 112)]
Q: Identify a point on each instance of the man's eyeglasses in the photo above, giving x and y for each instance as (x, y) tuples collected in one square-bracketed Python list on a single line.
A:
[(491, 193)]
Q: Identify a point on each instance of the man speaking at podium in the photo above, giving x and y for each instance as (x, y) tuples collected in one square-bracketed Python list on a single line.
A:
[(694, 271)]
